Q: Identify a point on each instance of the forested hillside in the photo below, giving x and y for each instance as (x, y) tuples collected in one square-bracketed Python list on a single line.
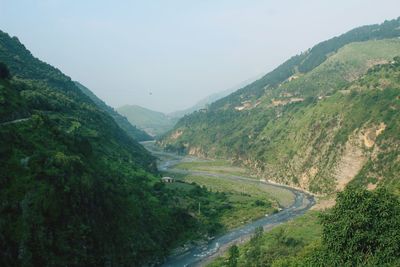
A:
[(75, 189), (122, 122), (318, 121)]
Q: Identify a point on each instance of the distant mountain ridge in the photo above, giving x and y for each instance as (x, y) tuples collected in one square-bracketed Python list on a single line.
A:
[(205, 102), (309, 60), (152, 122), (157, 123), (318, 121)]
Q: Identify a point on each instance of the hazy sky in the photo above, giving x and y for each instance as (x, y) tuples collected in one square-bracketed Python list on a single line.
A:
[(180, 51)]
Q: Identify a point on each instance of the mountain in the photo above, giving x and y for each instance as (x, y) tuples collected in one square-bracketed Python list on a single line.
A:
[(201, 104), (153, 122), (205, 102), (75, 189), (157, 123), (309, 60), (322, 119), (122, 122)]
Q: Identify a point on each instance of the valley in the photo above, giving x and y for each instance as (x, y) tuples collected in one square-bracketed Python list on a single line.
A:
[(306, 128), (299, 167), (240, 224)]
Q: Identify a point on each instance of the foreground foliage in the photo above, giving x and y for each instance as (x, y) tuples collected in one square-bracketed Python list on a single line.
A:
[(265, 249), (362, 229)]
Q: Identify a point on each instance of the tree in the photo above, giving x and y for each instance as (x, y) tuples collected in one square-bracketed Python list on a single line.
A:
[(363, 228), (233, 256), (253, 254), (4, 72)]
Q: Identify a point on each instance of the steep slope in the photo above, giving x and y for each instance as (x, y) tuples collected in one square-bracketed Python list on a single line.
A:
[(122, 122), (153, 122), (308, 60), (75, 189), (312, 130)]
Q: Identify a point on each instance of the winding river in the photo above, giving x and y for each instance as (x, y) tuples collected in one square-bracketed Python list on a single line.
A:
[(200, 254)]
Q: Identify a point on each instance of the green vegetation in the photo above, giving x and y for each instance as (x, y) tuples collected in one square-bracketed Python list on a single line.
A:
[(233, 256), (226, 201), (75, 189), (362, 229), (215, 166), (122, 122), (256, 189), (285, 241), (308, 61), (202, 207), (4, 72), (326, 118), (153, 122), (301, 132), (341, 68), (245, 200)]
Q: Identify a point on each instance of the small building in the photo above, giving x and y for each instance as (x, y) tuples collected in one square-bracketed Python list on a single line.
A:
[(167, 179)]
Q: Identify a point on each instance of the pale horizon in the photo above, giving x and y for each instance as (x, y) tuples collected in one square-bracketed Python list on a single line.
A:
[(168, 56)]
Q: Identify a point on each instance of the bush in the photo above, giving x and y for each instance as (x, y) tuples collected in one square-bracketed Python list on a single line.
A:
[(363, 229), (363, 225)]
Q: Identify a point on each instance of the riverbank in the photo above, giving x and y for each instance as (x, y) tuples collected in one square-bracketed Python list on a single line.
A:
[(204, 252)]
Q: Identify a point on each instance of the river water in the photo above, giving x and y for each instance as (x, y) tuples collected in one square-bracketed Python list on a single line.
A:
[(198, 254)]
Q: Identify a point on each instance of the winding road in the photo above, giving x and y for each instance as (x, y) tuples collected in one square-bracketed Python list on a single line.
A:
[(201, 254)]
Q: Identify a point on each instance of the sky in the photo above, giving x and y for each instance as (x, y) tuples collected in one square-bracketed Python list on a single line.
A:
[(168, 54)]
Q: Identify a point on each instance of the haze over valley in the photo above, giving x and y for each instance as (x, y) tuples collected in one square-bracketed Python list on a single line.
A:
[(143, 134)]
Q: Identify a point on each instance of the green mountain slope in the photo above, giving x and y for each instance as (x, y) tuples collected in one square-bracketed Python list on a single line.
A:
[(75, 189), (316, 130), (153, 122), (308, 60), (122, 122), (157, 123)]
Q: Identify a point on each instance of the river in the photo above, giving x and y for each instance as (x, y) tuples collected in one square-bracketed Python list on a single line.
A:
[(202, 253)]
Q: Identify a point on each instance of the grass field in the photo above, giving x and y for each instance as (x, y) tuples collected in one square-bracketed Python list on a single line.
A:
[(248, 199), (224, 184), (218, 166), (248, 203), (255, 189)]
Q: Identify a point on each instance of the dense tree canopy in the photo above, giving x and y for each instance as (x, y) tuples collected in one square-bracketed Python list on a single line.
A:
[(4, 72), (363, 227), (75, 189)]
